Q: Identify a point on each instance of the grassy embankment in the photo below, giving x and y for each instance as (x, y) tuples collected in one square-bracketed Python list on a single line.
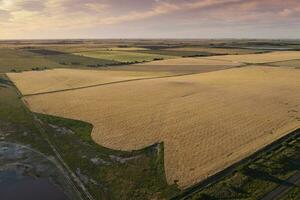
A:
[(15, 122)]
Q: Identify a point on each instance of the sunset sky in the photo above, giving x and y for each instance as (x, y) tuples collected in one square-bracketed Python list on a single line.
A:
[(42, 19)]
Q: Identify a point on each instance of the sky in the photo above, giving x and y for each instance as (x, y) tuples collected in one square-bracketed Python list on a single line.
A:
[(63, 19)]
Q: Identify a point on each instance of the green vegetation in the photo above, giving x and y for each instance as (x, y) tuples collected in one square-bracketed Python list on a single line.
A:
[(123, 56), (177, 53), (258, 176), (105, 172), (17, 127), (109, 173), (16, 123), (71, 60), (18, 60), (119, 175), (293, 194)]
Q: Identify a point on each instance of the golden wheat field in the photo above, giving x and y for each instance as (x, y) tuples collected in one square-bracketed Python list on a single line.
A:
[(289, 63), (174, 69), (261, 58), (33, 82), (207, 121)]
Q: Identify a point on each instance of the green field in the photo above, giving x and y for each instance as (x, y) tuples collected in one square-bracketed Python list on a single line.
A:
[(18, 60), (71, 60), (123, 56), (23, 60)]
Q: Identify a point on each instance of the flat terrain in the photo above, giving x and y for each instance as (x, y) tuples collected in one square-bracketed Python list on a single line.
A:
[(261, 58), (33, 82), (271, 171), (207, 121), (180, 65), (214, 50), (192, 61), (123, 56), (289, 63), (12, 59), (124, 112)]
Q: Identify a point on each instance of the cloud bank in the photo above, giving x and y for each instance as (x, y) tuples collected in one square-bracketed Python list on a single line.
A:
[(148, 18)]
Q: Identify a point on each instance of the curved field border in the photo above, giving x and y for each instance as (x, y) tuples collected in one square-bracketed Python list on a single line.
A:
[(120, 112)]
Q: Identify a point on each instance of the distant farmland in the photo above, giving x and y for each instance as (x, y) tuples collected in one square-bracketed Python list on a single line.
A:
[(181, 65), (261, 58), (123, 56), (207, 121)]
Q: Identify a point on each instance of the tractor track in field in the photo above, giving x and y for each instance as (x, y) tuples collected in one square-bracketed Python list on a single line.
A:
[(103, 84)]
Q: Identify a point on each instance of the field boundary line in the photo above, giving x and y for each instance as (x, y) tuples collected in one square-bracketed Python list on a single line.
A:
[(130, 80), (216, 59), (110, 83), (247, 63)]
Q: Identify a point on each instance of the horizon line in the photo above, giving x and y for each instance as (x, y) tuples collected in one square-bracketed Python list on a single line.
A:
[(149, 38)]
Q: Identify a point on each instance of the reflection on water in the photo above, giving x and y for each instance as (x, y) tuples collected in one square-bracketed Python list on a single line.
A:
[(14, 186)]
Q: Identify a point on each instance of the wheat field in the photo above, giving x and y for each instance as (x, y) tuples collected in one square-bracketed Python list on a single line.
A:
[(33, 82), (261, 58), (123, 56), (206, 121)]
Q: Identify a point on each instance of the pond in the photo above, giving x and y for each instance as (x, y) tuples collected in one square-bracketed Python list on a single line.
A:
[(14, 186)]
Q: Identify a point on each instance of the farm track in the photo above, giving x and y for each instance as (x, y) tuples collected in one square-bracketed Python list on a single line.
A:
[(131, 80), (69, 174), (280, 191)]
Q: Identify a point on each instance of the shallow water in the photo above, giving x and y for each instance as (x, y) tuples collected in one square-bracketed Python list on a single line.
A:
[(14, 186)]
